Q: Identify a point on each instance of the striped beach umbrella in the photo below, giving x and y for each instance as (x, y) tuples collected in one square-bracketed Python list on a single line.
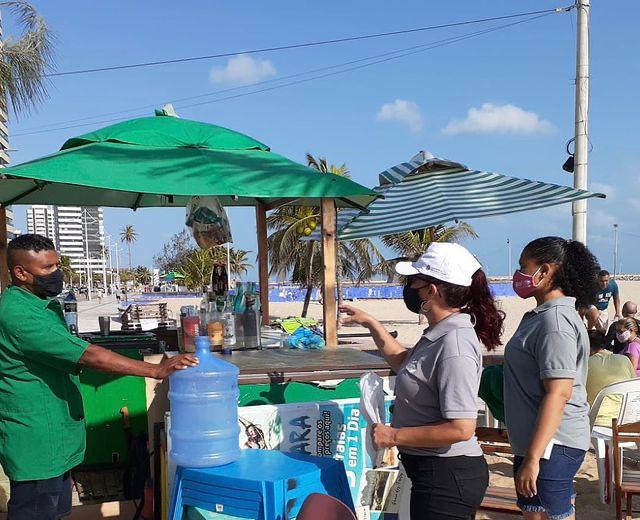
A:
[(427, 191)]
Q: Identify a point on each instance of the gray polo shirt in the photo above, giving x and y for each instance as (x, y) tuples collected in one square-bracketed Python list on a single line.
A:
[(439, 380), (551, 343)]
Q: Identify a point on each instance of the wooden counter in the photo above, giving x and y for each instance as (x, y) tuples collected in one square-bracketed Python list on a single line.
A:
[(286, 365)]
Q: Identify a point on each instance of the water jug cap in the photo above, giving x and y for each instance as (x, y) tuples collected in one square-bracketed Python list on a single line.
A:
[(203, 342)]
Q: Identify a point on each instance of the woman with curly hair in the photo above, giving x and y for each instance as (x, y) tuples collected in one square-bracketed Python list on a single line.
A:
[(434, 415), (545, 373)]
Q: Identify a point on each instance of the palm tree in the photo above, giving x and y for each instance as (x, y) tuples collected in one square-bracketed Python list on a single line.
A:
[(197, 268), (67, 270), (25, 61), (412, 244), (238, 261), (302, 260), (142, 275), (199, 263), (128, 235)]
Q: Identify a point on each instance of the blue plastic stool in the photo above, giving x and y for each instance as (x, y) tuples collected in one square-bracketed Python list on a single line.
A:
[(261, 485)]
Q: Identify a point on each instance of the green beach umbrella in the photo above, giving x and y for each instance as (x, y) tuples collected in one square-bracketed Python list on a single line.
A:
[(171, 276), (162, 161)]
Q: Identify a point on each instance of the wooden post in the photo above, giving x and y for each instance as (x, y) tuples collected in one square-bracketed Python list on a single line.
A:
[(263, 261), (329, 308), (4, 267)]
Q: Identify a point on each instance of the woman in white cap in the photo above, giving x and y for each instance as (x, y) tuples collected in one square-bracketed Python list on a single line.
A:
[(434, 415)]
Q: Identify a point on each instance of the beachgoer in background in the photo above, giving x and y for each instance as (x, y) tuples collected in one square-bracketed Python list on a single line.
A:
[(629, 310), (605, 369), (598, 313), (627, 334), (545, 372), (434, 416)]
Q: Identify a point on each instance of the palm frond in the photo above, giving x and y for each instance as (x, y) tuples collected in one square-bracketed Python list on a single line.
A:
[(25, 61)]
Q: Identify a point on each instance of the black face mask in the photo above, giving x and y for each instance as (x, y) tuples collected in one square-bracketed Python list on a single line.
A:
[(412, 298), (49, 285)]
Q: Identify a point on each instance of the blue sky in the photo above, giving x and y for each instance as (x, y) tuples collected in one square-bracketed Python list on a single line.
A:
[(502, 102)]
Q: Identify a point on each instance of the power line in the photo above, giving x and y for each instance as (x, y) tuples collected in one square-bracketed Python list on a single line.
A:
[(306, 44), (388, 56)]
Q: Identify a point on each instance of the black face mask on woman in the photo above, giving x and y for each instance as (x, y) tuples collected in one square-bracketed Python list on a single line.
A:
[(49, 285), (411, 298)]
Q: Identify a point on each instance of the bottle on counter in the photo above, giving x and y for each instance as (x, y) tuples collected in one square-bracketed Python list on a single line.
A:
[(204, 308), (215, 324), (229, 323), (190, 326), (70, 308), (250, 324)]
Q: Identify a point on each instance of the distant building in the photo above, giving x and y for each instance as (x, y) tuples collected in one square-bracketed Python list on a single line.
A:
[(75, 230), (41, 220)]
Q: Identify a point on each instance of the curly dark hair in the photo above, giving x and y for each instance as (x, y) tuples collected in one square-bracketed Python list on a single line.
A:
[(28, 242), (477, 300), (577, 274)]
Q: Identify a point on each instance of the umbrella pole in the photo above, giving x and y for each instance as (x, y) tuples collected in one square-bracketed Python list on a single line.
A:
[(4, 266), (263, 265), (329, 308)]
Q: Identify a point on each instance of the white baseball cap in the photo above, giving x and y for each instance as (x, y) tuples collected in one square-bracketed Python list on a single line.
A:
[(443, 261)]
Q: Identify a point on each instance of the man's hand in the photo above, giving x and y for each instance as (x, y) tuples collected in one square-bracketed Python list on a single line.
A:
[(355, 316), (169, 365), (527, 477), (384, 436)]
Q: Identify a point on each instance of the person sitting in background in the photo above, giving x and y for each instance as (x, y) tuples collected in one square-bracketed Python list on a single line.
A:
[(598, 314), (627, 333), (605, 368), (629, 310)]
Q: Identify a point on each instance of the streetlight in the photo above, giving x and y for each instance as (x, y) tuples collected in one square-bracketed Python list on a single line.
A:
[(615, 250)]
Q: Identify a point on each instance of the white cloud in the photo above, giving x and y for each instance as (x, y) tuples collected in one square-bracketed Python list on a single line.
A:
[(402, 111), (607, 189), (243, 70), (499, 119)]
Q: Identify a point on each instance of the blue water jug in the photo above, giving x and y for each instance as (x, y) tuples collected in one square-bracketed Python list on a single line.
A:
[(204, 411)]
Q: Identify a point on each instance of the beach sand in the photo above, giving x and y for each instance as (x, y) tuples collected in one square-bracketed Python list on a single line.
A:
[(394, 315)]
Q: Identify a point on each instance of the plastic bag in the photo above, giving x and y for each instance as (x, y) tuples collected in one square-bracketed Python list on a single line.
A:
[(208, 221), (304, 338), (372, 409)]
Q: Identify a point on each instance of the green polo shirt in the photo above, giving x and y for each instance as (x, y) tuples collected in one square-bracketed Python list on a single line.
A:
[(42, 432)]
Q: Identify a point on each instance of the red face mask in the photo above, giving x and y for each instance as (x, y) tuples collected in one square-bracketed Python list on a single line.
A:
[(524, 284)]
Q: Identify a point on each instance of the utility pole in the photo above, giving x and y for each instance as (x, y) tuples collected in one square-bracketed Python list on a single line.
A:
[(581, 152), (509, 257), (110, 264), (615, 250), (117, 247), (228, 266)]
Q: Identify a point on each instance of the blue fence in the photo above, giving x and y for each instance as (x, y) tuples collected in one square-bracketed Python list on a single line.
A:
[(292, 293)]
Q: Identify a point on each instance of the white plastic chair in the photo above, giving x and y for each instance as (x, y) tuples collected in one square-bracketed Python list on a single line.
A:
[(602, 436)]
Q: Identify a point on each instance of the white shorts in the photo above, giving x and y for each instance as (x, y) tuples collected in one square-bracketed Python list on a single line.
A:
[(603, 319)]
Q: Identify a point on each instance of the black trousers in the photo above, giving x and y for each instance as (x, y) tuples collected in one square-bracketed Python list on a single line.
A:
[(48, 499), (445, 487)]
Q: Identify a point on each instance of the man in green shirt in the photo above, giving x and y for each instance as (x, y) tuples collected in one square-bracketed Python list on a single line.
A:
[(42, 430)]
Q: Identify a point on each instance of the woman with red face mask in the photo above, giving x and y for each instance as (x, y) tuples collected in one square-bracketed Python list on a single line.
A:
[(545, 372)]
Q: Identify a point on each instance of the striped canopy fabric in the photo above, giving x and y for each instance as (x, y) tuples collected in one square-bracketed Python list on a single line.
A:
[(427, 192)]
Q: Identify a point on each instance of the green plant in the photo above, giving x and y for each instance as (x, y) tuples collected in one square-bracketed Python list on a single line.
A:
[(25, 61)]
